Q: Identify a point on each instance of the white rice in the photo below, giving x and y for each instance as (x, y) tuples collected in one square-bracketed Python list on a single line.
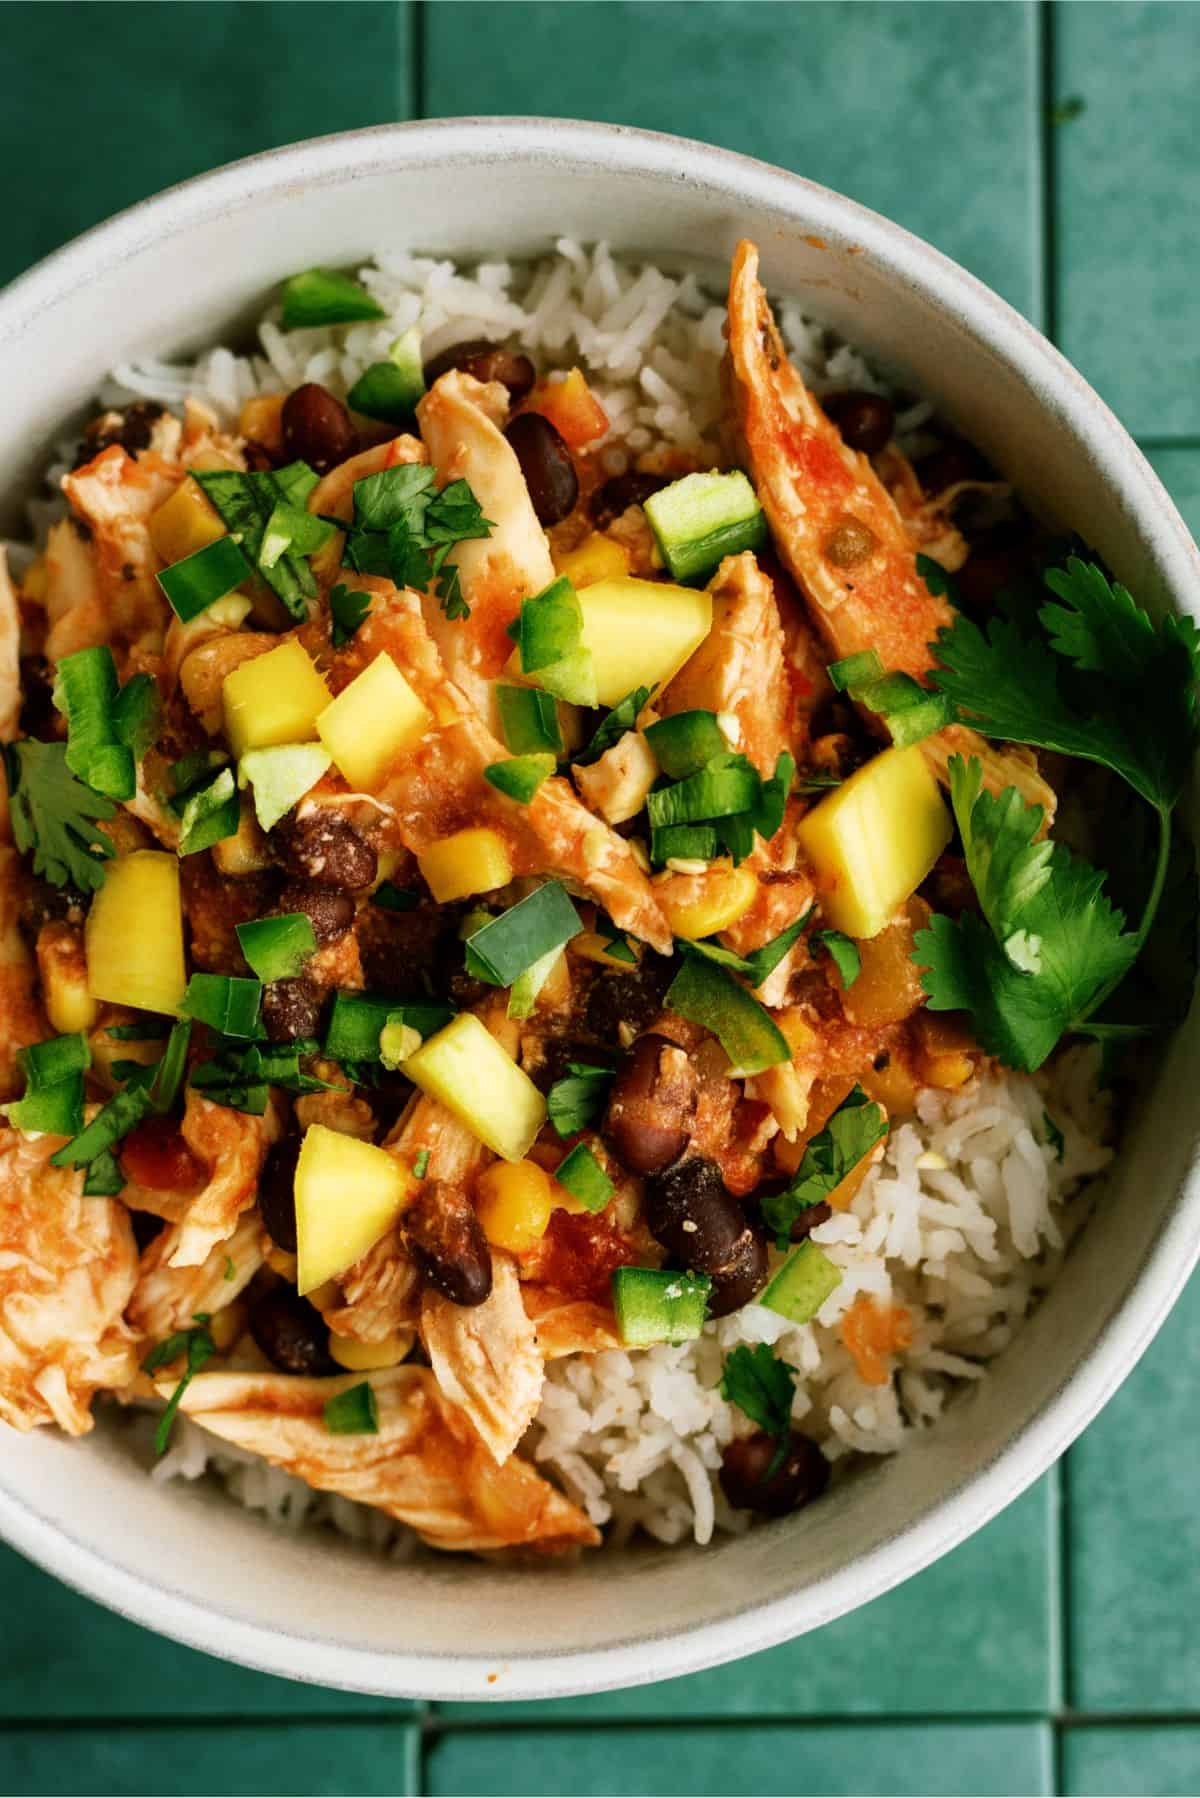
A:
[(965, 1220)]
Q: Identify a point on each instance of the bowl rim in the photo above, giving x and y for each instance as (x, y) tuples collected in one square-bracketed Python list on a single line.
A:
[(1154, 1285)]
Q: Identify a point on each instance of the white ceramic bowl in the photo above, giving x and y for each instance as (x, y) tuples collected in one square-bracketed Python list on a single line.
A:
[(195, 262)]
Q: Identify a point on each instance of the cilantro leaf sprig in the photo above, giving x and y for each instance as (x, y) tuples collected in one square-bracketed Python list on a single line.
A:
[(198, 1346), (405, 529), (761, 1385), (55, 816), (579, 1097), (1051, 949), (852, 1131)]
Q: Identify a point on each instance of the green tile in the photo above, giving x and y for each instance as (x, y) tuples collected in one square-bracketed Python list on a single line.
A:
[(971, 1634), (858, 1758), (78, 1660), (1111, 1762), (1179, 471), (1134, 1538), (237, 1760), (1128, 298), (933, 126), (158, 93)]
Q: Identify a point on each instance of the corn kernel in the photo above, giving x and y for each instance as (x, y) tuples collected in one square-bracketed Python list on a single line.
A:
[(475, 860), (36, 580), (183, 524), (597, 558), (69, 1004), (281, 1262), (227, 1325), (261, 418), (515, 1200), (700, 905), (370, 1357), (326, 1295)]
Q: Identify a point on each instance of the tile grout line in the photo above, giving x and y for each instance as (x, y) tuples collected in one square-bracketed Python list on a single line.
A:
[(1045, 207), (416, 46)]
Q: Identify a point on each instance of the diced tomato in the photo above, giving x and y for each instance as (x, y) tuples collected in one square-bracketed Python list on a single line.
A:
[(579, 1254), (871, 1332), (572, 409), (156, 1156)]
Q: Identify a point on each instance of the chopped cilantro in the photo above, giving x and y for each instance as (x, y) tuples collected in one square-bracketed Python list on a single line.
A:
[(198, 1346), (613, 725), (759, 1384), (579, 1097), (852, 1132), (348, 607), (405, 529)]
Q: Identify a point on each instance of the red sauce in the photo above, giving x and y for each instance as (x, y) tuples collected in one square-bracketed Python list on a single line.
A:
[(579, 1254), (156, 1156)]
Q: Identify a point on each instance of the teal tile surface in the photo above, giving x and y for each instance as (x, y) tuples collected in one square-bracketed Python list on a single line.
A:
[(1128, 182), (971, 1634), (924, 113), (80, 1661), (237, 1760), (1179, 471), (1134, 1538), (160, 92), (829, 1759), (1114, 1762)]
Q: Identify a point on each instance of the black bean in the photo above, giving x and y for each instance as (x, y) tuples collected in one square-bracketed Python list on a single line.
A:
[(446, 1240), (39, 714), (624, 490), (331, 914), (292, 1009), (955, 461), (809, 1217), (696, 1219), (749, 1485), (546, 465), (277, 1192), (635, 998), (742, 1277), (317, 428), (132, 428), (486, 361), (865, 420), (647, 1123), (145, 1228), (322, 847), (290, 1333)]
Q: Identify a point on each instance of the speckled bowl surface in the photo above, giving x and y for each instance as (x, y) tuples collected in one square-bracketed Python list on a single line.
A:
[(196, 264)]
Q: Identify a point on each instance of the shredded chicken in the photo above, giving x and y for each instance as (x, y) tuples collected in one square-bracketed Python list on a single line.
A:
[(167, 1296), (232, 1146), (67, 1268), (834, 523), (487, 1358), (439, 786), (22, 1020), (461, 421), (10, 654), (427, 1466), (567, 1326)]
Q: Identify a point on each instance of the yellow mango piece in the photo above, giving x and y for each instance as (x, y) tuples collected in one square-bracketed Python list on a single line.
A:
[(348, 1194), (641, 632), (183, 524), (134, 934), (474, 860), (597, 558), (698, 905), (872, 841), (465, 1067), (372, 721), (261, 418), (276, 698)]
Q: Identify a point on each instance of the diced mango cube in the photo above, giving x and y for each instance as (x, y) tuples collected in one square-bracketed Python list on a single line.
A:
[(475, 860), (466, 1068), (597, 558), (372, 721), (134, 934), (348, 1193), (276, 698), (641, 633), (183, 524), (874, 839), (261, 418)]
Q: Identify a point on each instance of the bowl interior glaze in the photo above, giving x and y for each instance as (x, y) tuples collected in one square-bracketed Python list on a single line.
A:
[(196, 264)]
